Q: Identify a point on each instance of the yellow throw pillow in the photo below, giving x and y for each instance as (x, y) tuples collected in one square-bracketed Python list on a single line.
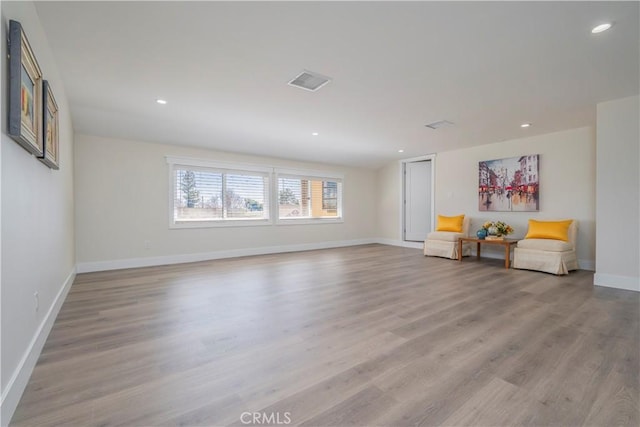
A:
[(450, 223), (557, 230)]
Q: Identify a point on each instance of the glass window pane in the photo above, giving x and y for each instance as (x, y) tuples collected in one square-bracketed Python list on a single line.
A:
[(330, 198), (308, 198), (217, 196), (244, 197), (198, 196), (293, 198)]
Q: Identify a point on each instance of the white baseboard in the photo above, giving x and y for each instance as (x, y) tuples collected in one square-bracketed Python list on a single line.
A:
[(87, 267), (402, 243), (18, 382), (618, 282)]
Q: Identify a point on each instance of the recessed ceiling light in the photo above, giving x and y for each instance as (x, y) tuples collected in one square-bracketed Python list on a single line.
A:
[(600, 28), (161, 101), (525, 125), (315, 134), (400, 151)]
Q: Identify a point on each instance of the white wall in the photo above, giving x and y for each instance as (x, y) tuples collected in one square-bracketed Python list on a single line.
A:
[(618, 200), (37, 226), (389, 195), (122, 200), (567, 185)]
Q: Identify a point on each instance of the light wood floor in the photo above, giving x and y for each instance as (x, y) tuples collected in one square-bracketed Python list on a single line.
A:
[(370, 335)]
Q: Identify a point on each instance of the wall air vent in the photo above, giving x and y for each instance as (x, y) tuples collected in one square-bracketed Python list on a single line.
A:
[(308, 80), (440, 124)]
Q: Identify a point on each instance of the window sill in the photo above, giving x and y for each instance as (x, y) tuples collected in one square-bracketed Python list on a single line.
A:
[(221, 223), (310, 221)]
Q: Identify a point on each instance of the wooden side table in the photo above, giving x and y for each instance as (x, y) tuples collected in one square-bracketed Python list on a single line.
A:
[(507, 243)]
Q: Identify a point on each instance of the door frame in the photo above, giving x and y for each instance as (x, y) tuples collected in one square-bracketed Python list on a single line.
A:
[(403, 166)]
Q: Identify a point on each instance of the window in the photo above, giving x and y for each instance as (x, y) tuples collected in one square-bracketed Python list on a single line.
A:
[(309, 198), (214, 195)]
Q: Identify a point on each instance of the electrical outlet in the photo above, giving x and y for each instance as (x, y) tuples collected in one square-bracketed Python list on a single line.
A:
[(147, 244), (37, 300)]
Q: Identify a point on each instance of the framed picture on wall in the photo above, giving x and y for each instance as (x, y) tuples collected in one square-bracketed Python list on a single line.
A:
[(25, 92), (509, 185), (50, 128)]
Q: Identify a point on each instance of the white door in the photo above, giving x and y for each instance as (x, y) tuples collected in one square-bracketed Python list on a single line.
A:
[(417, 200)]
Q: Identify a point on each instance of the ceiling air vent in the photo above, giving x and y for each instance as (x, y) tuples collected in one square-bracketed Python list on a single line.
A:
[(308, 80), (440, 124)]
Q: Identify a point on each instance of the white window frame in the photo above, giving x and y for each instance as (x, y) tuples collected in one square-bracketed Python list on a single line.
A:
[(223, 167), (312, 175)]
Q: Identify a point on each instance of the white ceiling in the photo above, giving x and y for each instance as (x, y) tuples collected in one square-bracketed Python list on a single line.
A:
[(224, 68)]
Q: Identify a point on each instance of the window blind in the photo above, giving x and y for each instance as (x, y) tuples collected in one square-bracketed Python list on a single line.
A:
[(207, 194), (309, 197)]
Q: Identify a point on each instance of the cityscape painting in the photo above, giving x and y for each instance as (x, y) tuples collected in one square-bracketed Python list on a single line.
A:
[(509, 185)]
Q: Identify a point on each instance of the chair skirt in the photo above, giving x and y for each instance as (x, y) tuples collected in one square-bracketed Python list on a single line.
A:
[(548, 262), (444, 249)]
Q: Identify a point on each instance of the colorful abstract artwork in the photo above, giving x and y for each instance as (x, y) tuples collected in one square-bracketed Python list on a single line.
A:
[(509, 185)]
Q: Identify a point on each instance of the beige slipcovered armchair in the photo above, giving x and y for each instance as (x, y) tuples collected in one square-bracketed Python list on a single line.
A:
[(445, 243), (555, 256)]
